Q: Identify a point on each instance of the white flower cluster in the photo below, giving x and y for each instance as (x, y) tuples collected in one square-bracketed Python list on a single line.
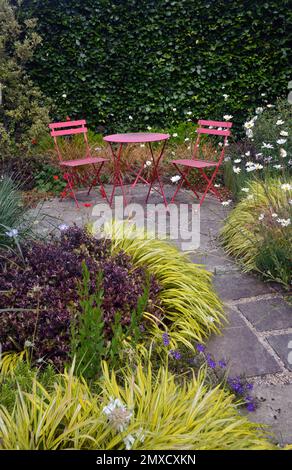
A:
[(119, 417)]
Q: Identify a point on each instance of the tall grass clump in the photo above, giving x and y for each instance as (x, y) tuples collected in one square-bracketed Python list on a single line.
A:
[(258, 231)]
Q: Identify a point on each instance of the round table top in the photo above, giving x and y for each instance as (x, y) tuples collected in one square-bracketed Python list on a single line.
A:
[(136, 137)]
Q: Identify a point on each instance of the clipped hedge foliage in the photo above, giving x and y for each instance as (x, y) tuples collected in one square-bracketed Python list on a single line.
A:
[(111, 59)]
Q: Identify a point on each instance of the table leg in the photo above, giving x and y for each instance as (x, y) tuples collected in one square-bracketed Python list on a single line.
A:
[(117, 180), (155, 174)]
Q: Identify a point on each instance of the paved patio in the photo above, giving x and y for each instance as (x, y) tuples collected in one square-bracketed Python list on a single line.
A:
[(258, 338)]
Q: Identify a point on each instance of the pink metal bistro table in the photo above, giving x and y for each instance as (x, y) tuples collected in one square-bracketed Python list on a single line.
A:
[(136, 138)]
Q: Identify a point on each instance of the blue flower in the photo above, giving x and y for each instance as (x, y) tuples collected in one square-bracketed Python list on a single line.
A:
[(251, 407), (211, 363), (165, 339), (222, 364), (175, 354), (201, 348)]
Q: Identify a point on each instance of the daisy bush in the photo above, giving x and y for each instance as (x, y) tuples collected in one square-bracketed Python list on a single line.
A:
[(266, 149)]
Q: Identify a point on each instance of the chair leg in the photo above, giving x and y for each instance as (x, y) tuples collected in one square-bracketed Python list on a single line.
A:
[(183, 180), (70, 186)]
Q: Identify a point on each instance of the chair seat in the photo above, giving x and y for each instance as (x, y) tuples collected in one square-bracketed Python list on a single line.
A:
[(194, 163), (82, 161)]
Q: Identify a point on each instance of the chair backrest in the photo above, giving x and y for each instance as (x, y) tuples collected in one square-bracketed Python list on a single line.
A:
[(220, 128), (64, 128)]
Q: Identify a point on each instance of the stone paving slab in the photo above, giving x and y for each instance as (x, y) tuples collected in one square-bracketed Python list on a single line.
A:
[(237, 286), (268, 314), (239, 346), (275, 410), (282, 344)]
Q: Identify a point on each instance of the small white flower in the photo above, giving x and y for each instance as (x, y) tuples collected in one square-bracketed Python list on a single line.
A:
[(261, 216), (117, 414), (283, 153), (227, 117), (220, 144), (97, 149), (147, 163), (281, 141), (187, 139), (64, 95), (249, 197), (129, 441), (274, 215), (259, 110), (249, 124), (131, 118), (217, 185), (267, 146), (189, 147), (284, 133), (225, 96), (249, 163), (258, 166), (227, 159), (247, 154), (149, 128), (174, 110), (236, 170), (142, 145), (238, 160), (175, 179), (284, 222), (277, 167), (12, 233), (28, 344), (249, 133), (245, 190), (211, 319), (286, 187), (189, 113), (280, 122), (63, 227), (226, 203), (270, 105), (263, 94), (174, 135)]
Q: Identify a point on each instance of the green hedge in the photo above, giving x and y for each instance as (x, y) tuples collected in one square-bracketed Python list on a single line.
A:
[(115, 58)]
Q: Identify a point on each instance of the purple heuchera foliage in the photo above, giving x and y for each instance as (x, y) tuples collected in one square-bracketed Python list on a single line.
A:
[(49, 279)]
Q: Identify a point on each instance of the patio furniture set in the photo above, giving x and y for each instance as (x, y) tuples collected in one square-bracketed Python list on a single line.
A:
[(74, 177)]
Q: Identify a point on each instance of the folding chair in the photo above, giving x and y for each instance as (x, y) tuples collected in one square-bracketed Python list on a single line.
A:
[(70, 167), (201, 165)]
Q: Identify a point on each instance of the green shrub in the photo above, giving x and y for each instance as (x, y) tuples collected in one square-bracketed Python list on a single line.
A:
[(258, 231), (265, 152), (126, 65), (23, 113), (15, 222)]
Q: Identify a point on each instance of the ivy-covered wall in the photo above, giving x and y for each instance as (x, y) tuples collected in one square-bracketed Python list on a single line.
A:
[(156, 60)]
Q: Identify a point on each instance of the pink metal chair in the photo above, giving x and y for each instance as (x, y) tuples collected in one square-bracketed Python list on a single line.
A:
[(70, 167), (213, 128)]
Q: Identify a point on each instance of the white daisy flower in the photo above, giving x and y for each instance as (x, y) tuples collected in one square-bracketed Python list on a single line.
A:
[(245, 190), (238, 160), (236, 170), (284, 133), (280, 122), (174, 135), (226, 203), (175, 179), (286, 187), (261, 217), (227, 117), (283, 153), (281, 141)]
